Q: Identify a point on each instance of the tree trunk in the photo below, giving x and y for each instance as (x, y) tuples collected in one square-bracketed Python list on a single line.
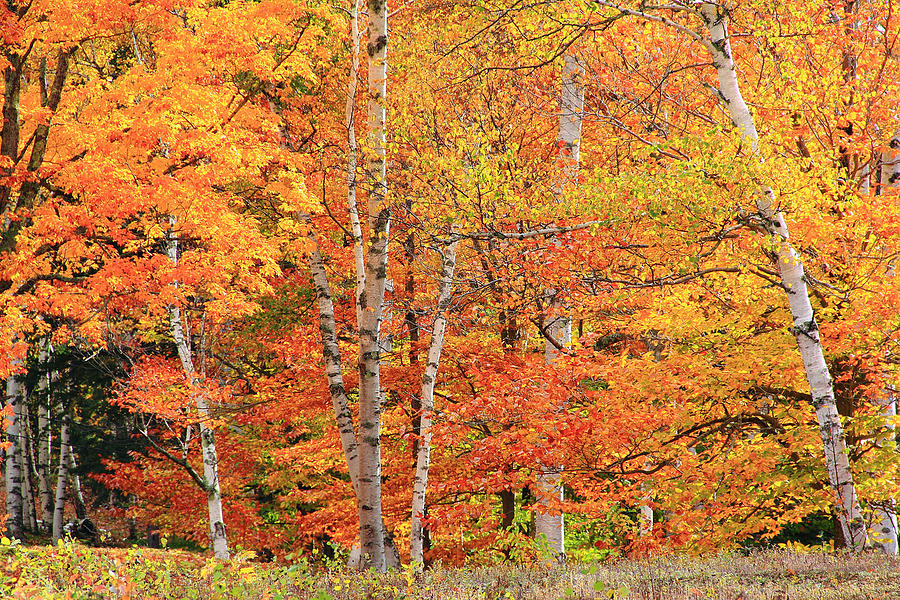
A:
[(44, 442), (14, 400), (77, 494), (352, 158), (372, 299), (9, 140), (213, 491), (340, 403), (423, 458), (29, 514), (59, 510), (551, 523), (805, 329), (549, 490)]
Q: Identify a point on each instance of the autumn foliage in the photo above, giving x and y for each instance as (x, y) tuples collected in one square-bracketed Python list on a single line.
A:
[(222, 125)]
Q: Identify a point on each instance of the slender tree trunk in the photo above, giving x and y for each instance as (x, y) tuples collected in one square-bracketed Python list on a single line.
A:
[(805, 328), (213, 490), (372, 298), (548, 488), (29, 514), (339, 400), (423, 458), (44, 442), (14, 400), (352, 159), (77, 494), (59, 509), (9, 141), (332, 354)]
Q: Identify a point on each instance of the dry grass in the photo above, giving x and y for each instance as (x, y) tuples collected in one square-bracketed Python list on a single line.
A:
[(82, 573)]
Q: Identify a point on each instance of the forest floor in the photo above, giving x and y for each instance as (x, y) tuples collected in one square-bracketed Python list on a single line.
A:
[(76, 572)]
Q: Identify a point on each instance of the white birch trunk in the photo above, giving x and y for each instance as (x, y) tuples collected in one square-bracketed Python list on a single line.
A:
[(59, 509), (332, 354), (77, 493), (45, 440), (423, 456), (884, 527), (352, 154), (29, 515), (790, 268), (213, 491), (14, 399), (372, 299), (549, 489), (890, 163), (340, 403)]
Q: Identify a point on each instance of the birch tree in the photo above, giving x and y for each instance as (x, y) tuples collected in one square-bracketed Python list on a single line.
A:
[(59, 506), (14, 400), (714, 37), (429, 377), (44, 443), (371, 299), (194, 379), (549, 488)]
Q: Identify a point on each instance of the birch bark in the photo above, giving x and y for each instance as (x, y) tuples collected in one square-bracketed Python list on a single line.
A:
[(423, 456), (77, 494), (549, 489), (805, 328), (45, 441), (371, 301), (59, 508), (339, 400), (352, 154), (213, 490), (14, 399), (29, 514)]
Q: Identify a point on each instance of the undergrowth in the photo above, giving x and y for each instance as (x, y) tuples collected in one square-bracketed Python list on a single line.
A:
[(71, 571)]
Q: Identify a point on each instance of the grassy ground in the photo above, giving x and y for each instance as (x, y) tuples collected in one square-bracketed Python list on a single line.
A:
[(79, 573)]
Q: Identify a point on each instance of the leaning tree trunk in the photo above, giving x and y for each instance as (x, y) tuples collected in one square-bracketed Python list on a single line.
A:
[(549, 489), (77, 493), (805, 328), (14, 401), (211, 484), (372, 299), (423, 455)]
